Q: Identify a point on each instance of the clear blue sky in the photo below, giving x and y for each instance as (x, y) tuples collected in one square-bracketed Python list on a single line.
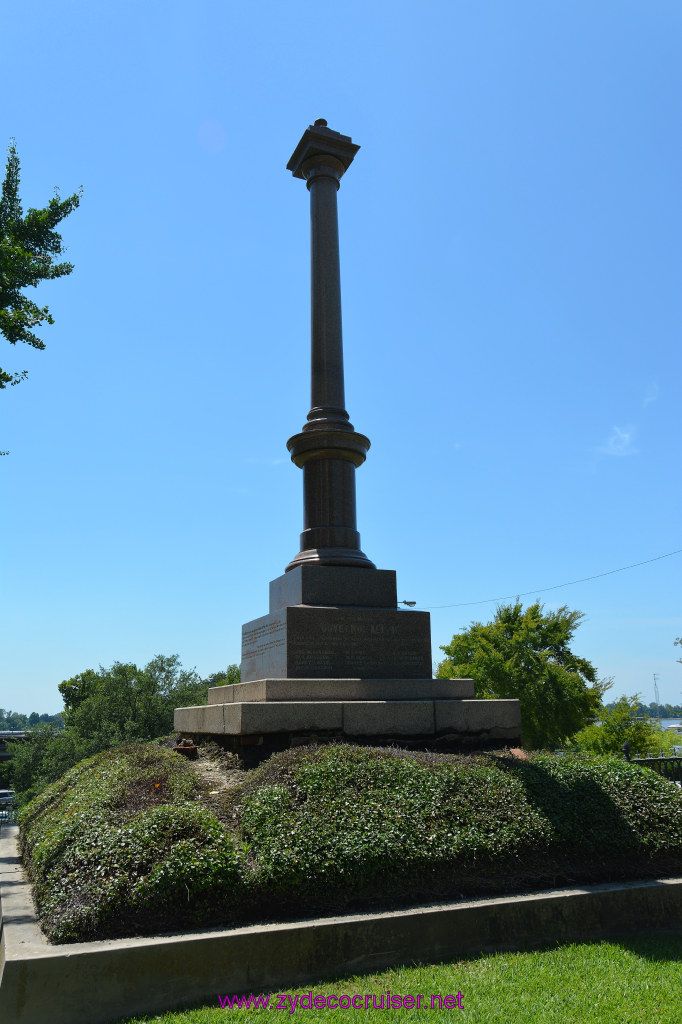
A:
[(511, 267)]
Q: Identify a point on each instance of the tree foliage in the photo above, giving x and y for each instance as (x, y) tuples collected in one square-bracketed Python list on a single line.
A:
[(28, 247), (525, 654), (619, 722), (17, 720), (44, 757), (654, 710), (125, 703), (107, 707)]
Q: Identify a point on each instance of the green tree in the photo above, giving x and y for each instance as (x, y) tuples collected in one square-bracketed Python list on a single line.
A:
[(28, 246), (133, 703), (231, 676), (525, 654), (125, 704), (104, 708), (12, 719), (618, 723), (45, 756), (78, 689)]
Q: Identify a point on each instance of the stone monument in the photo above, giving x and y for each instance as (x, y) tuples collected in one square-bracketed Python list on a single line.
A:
[(335, 658)]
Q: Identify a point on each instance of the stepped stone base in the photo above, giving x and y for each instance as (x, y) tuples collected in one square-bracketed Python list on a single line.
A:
[(335, 660), (342, 689), (425, 713)]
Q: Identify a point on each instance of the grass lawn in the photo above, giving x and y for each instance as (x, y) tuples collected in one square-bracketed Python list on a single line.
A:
[(634, 980)]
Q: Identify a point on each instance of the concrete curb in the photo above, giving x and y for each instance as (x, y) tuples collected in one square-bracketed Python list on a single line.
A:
[(97, 982)]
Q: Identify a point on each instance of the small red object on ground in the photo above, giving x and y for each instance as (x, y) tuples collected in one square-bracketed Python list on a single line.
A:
[(189, 750)]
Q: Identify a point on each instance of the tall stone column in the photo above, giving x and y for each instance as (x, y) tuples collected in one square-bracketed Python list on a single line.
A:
[(333, 614), (328, 448), (335, 658)]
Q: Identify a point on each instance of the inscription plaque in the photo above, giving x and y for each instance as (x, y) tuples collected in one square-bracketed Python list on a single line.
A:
[(304, 642)]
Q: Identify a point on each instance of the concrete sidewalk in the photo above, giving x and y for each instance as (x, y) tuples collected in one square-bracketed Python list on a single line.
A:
[(97, 982)]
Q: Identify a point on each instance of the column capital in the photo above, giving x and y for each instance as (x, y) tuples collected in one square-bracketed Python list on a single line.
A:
[(320, 141)]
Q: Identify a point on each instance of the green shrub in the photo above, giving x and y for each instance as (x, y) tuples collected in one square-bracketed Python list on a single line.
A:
[(348, 822), (119, 845), (127, 843)]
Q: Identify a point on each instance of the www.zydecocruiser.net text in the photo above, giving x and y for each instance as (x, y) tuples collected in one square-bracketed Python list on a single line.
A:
[(391, 1000)]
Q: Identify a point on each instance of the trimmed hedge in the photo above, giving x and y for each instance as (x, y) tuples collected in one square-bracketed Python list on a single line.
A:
[(128, 843), (120, 845)]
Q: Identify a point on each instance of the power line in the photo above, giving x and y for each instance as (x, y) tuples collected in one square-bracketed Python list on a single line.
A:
[(558, 586)]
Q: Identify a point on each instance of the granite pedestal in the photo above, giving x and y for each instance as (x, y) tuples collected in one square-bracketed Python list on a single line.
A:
[(336, 622), (354, 669)]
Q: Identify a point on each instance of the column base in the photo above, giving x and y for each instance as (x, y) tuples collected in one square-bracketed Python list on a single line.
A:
[(331, 556)]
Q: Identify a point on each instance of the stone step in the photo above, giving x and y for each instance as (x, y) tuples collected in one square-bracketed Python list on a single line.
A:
[(341, 689), (497, 719)]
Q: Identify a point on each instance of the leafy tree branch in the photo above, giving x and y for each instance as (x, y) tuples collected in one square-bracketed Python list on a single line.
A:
[(525, 654), (29, 246)]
